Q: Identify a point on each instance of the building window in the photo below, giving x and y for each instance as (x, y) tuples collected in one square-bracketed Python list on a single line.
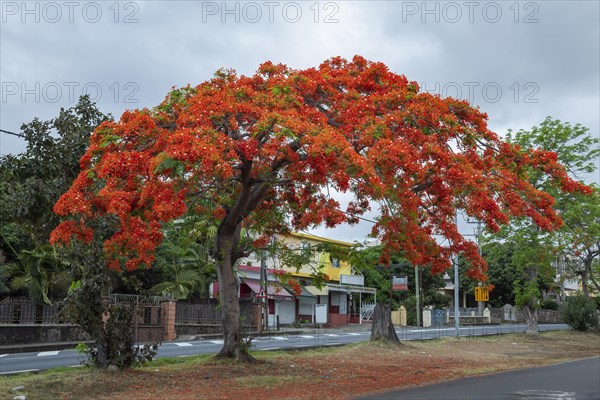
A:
[(305, 249), (335, 262)]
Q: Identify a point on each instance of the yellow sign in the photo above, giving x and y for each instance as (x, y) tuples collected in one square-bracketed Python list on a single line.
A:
[(482, 294)]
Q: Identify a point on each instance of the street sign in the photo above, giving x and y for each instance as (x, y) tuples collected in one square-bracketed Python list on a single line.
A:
[(357, 280), (399, 283), (261, 295), (482, 294)]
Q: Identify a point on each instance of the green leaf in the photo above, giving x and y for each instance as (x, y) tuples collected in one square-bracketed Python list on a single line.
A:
[(166, 164)]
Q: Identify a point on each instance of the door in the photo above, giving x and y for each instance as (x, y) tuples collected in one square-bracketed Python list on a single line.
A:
[(320, 313)]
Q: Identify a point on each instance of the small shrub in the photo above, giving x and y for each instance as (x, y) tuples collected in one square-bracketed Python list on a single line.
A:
[(580, 313), (120, 349), (550, 304)]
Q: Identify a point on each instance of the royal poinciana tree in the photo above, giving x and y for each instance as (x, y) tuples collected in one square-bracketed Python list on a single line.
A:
[(259, 154)]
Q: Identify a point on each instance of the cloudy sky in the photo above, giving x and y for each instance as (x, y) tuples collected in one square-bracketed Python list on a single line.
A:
[(517, 61)]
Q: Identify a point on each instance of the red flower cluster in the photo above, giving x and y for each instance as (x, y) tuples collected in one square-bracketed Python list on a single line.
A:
[(265, 150)]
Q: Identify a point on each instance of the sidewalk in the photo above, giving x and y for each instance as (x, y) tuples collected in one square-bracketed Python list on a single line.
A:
[(39, 347), (282, 331)]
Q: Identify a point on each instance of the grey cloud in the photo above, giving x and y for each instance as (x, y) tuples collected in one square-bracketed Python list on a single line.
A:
[(175, 43)]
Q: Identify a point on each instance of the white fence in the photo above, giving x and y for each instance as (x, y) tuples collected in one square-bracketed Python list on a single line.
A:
[(366, 311)]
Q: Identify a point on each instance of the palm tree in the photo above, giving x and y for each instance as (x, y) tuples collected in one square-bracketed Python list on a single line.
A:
[(39, 271), (185, 258)]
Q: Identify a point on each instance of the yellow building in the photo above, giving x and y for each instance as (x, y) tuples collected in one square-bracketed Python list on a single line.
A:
[(321, 261), (337, 301)]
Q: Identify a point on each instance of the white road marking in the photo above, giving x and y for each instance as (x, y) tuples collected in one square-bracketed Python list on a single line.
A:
[(279, 338), (19, 372), (303, 345), (306, 336), (183, 344), (353, 334), (47, 353), (271, 348), (332, 335), (3, 355), (216, 341), (545, 394)]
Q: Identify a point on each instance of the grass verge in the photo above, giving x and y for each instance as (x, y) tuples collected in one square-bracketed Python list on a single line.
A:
[(324, 373)]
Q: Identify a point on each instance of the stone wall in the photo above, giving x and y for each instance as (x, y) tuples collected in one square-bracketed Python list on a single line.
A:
[(509, 314), (469, 320), (544, 317), (338, 319), (16, 334), (192, 329)]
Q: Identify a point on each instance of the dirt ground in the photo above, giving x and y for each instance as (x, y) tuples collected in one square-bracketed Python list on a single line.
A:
[(330, 373)]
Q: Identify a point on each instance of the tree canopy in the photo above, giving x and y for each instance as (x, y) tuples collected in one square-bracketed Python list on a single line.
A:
[(30, 184), (534, 252), (257, 149), (34, 180), (577, 242), (259, 153)]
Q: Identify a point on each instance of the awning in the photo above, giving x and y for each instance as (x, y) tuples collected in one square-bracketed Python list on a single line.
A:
[(316, 291), (350, 288), (273, 291), (306, 293)]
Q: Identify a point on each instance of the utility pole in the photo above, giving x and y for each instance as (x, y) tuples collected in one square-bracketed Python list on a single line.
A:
[(477, 233), (480, 304), (456, 287), (263, 284), (418, 295)]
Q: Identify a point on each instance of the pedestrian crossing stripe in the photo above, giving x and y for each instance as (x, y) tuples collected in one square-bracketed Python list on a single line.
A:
[(47, 353)]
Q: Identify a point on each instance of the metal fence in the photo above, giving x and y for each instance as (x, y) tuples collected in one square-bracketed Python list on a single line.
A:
[(147, 314), (147, 321), (26, 311), (197, 314), (210, 314), (135, 299)]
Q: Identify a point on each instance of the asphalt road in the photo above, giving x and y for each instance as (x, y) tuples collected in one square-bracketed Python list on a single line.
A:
[(575, 380), (31, 362)]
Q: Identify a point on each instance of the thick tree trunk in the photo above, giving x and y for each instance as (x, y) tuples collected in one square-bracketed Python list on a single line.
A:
[(530, 309), (233, 345), (101, 344), (531, 318), (382, 327), (91, 316)]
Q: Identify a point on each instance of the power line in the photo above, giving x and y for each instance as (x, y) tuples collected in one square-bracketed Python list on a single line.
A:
[(361, 218), (12, 133)]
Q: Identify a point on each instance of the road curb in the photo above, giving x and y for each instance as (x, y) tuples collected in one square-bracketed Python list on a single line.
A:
[(29, 348)]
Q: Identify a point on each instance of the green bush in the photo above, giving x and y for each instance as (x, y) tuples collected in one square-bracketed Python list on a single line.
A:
[(580, 313), (596, 301), (550, 304)]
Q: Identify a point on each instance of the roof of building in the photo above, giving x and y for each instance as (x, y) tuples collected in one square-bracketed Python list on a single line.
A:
[(320, 239)]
